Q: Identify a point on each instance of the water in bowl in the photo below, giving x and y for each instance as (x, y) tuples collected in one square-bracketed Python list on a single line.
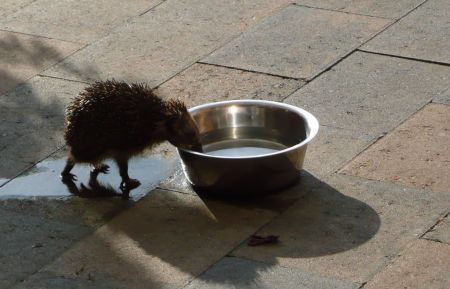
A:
[(242, 148)]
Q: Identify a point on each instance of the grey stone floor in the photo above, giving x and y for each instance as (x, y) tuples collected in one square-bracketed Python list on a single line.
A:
[(371, 209)]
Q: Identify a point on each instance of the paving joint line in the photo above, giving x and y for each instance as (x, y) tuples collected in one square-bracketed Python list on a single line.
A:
[(254, 71), (131, 204), (383, 134), (394, 21), (75, 242), (433, 240), (441, 102), (62, 78), (362, 285), (42, 72), (387, 182), (100, 38), (225, 42), (198, 60), (172, 190), (229, 253), (358, 48), (445, 215), (31, 166), (339, 11), (41, 36), (317, 75), (292, 268), (152, 8), (390, 261), (405, 57), (332, 64), (277, 215)]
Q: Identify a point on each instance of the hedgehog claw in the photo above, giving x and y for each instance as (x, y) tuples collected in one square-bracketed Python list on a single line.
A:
[(68, 177), (129, 184), (103, 168)]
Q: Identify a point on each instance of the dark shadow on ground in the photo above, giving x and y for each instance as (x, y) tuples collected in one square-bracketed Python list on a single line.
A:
[(31, 110), (321, 221), (325, 221)]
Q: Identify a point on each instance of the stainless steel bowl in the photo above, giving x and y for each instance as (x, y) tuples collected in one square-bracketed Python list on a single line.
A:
[(250, 146)]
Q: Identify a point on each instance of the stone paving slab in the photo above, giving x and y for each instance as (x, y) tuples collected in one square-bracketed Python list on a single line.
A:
[(23, 56), (423, 34), (163, 242), (8, 7), (362, 93), (379, 8), (92, 212), (241, 273), (297, 42), (74, 20), (443, 97), (440, 233), (202, 83), (416, 153), (11, 167), (333, 148), (32, 121), (28, 243), (164, 41), (424, 265), (348, 228)]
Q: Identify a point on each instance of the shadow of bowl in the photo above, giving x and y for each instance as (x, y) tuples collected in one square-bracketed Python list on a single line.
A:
[(322, 221)]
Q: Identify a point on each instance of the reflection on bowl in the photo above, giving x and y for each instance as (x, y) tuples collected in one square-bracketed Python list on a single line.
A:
[(250, 146)]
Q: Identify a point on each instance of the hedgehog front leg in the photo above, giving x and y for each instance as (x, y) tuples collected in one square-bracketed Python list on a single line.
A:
[(127, 183)]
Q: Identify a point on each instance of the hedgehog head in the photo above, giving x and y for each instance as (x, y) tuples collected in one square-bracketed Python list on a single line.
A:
[(182, 130)]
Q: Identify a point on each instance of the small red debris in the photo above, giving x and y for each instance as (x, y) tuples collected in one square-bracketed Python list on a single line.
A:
[(257, 240)]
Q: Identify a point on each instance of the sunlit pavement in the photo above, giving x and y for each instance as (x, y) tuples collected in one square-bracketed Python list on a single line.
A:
[(371, 207)]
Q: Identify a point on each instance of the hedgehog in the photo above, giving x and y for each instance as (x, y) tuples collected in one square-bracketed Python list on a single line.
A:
[(116, 120)]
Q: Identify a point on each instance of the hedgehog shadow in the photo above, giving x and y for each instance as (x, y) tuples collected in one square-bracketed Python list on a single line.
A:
[(94, 189)]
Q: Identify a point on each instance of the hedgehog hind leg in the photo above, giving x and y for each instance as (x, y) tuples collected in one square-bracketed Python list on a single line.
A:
[(127, 183)]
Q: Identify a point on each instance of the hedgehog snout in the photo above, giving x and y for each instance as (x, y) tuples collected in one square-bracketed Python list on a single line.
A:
[(185, 138), (192, 140), (197, 147)]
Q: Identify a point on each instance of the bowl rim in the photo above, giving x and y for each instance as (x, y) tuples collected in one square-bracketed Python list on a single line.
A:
[(310, 119)]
